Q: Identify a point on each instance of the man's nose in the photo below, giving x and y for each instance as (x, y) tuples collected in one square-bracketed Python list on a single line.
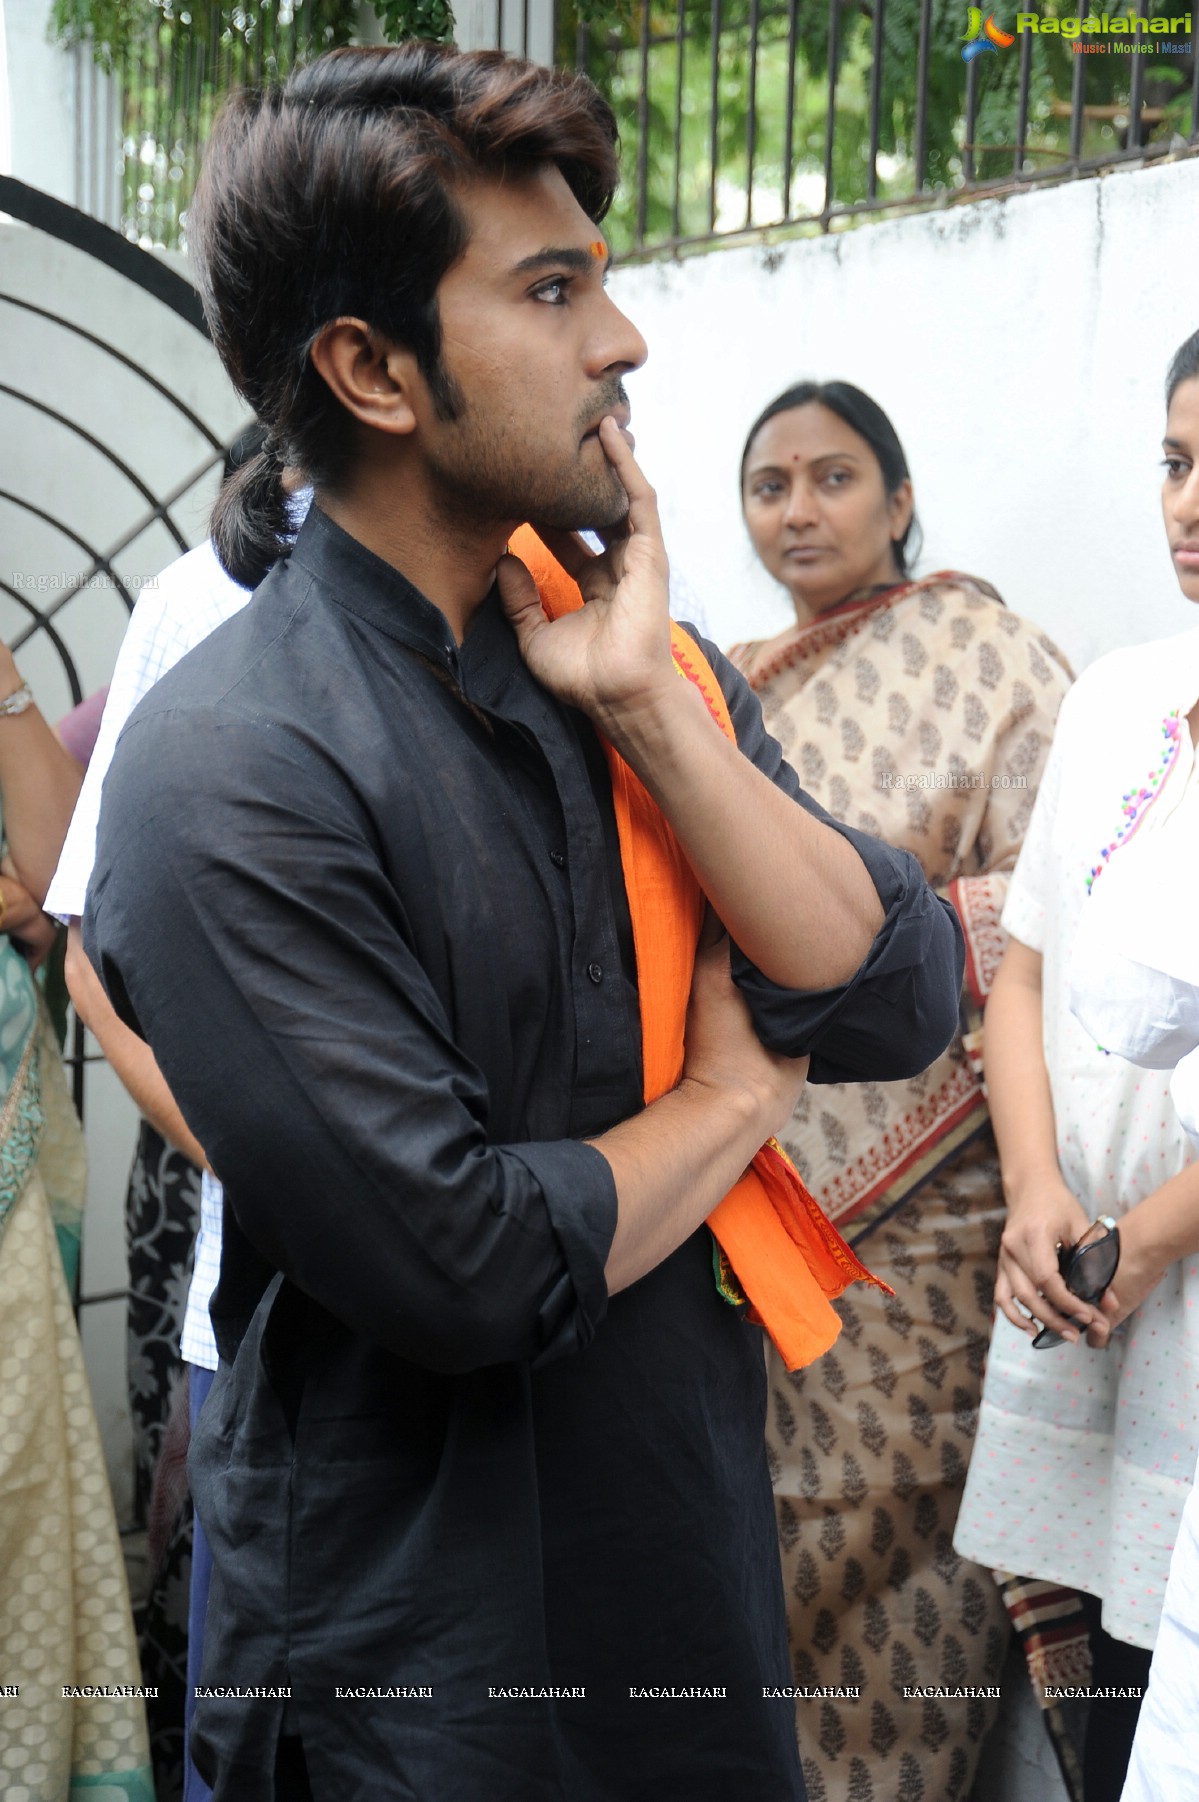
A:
[(619, 345)]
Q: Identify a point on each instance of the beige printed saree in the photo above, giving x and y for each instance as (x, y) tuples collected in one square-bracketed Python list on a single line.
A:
[(921, 713)]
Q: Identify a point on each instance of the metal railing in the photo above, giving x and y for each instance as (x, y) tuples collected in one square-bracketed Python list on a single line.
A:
[(757, 115), (736, 116)]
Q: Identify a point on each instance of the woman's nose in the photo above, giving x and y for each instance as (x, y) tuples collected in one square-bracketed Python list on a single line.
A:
[(801, 509)]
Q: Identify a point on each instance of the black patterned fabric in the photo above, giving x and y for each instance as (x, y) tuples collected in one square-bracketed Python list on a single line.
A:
[(162, 1216)]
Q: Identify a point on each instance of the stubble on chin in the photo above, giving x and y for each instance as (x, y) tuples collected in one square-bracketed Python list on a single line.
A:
[(587, 507)]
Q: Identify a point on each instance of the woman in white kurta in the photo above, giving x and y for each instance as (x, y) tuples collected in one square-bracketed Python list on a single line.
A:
[(1085, 1453), (1135, 986)]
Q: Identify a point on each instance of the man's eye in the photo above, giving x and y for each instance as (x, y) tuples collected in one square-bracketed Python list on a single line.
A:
[(553, 293)]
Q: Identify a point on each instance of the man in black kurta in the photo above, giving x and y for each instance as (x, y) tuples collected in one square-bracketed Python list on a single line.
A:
[(482, 1529)]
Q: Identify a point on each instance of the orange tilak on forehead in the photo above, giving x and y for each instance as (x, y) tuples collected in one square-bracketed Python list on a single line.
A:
[(599, 250)]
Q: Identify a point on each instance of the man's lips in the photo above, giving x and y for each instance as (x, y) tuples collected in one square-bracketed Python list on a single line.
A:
[(1187, 552), (621, 415)]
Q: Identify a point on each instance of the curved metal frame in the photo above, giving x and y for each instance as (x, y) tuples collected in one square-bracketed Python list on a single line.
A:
[(65, 223), (70, 226)]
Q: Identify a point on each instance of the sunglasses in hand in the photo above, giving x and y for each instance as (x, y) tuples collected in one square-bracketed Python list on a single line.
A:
[(1087, 1268)]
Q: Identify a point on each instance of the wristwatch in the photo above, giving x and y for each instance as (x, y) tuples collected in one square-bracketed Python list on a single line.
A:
[(17, 702)]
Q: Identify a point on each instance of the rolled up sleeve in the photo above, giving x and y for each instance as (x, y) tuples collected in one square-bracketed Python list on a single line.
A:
[(899, 1010)]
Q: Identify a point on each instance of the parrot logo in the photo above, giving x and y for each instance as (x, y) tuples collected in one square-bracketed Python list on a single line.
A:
[(983, 38)]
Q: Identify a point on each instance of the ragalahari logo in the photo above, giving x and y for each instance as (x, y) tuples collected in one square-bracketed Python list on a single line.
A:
[(983, 38)]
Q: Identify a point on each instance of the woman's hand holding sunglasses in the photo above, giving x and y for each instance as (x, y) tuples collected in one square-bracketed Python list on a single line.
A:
[(1143, 1263), (1030, 1287)]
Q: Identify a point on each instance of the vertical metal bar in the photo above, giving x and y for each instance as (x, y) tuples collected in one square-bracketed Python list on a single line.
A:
[(1076, 105), (81, 50), (1022, 107), (90, 202), (680, 32), (213, 64), (194, 124), (171, 138), (830, 118), (1136, 93), (160, 235), (87, 187), (524, 29), (713, 116), (112, 111), (971, 120), (926, 12), (876, 98), (643, 122), (789, 111), (130, 184), (751, 118)]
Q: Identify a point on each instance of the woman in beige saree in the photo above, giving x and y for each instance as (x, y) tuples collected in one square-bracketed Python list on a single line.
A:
[(920, 711), (72, 1720)]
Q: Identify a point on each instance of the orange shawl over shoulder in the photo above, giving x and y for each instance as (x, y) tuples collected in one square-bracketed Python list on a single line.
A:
[(777, 1250)]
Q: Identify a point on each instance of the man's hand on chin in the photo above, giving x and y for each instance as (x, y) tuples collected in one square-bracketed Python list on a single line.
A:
[(611, 659)]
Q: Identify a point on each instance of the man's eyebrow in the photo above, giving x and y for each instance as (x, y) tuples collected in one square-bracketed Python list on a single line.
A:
[(572, 258)]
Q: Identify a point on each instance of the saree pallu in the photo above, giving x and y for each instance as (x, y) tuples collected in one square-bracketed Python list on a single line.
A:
[(65, 1620), (922, 713)]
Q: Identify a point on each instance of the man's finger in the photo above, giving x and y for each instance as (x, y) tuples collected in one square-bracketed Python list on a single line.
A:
[(521, 601), (643, 502)]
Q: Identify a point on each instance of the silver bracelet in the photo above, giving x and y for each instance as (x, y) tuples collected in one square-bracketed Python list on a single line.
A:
[(17, 702)]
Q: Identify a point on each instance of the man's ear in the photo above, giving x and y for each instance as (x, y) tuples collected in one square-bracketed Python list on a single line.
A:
[(371, 377)]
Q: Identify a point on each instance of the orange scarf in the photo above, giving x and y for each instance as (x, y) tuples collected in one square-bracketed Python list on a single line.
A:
[(776, 1249)]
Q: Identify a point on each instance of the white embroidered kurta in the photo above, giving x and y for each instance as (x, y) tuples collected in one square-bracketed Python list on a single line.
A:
[(1084, 1459)]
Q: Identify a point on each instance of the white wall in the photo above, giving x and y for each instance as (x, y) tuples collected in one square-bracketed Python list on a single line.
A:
[(1020, 347)]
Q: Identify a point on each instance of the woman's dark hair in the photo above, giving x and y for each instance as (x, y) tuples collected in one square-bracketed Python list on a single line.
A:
[(333, 196), (865, 417), (1184, 365)]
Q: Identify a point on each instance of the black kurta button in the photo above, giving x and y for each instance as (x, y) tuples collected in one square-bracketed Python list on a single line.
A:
[(558, 860), (596, 972)]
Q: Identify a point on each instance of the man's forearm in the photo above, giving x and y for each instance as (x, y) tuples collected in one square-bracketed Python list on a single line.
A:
[(792, 892), (129, 1056), (677, 1159), (672, 1165)]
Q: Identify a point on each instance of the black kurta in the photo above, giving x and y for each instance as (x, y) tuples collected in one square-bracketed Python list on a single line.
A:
[(360, 891)]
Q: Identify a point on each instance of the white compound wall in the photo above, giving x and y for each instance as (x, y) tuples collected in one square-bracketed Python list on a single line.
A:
[(1020, 347)]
